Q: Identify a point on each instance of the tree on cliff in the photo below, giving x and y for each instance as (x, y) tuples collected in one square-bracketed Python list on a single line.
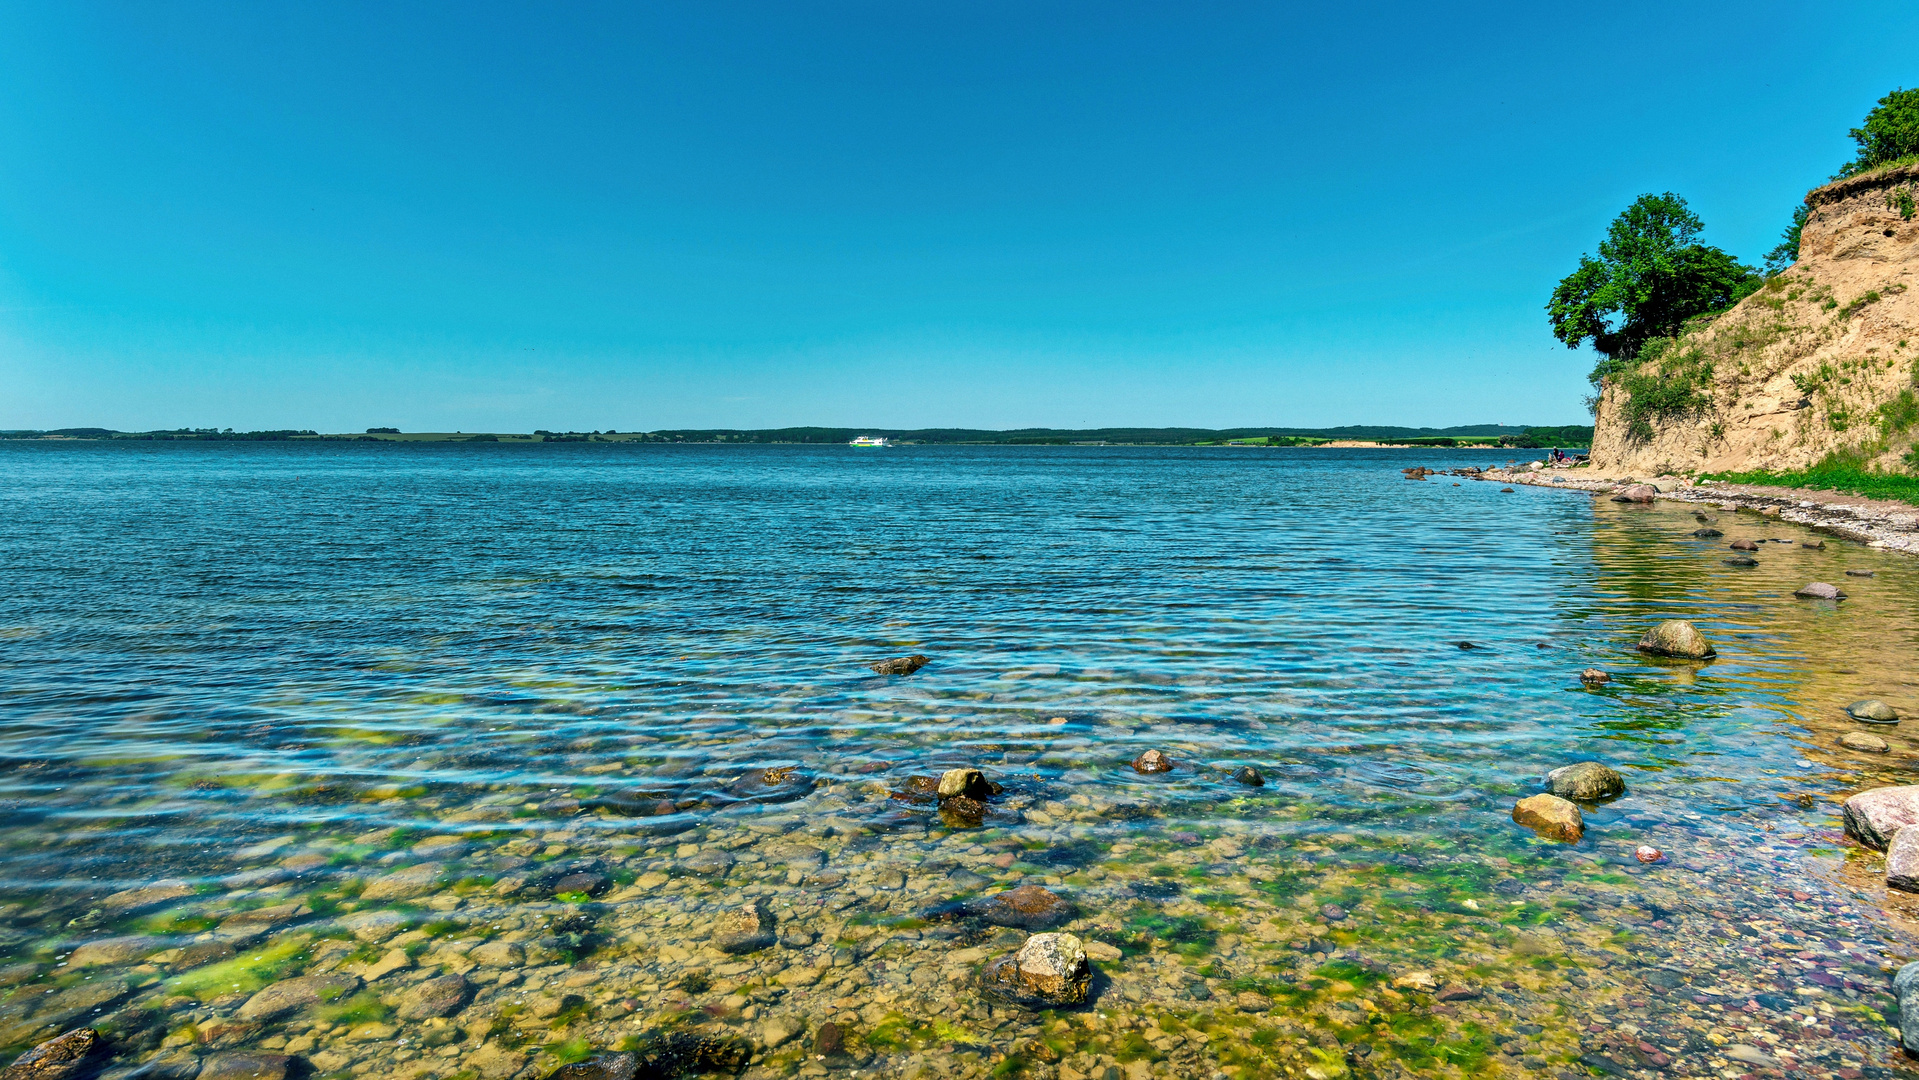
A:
[(1650, 277), (1890, 133)]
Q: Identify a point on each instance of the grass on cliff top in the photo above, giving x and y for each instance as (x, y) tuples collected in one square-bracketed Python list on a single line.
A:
[(1846, 479)]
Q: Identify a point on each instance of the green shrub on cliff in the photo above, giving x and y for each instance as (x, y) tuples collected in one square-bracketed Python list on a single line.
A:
[(1889, 135), (1650, 277)]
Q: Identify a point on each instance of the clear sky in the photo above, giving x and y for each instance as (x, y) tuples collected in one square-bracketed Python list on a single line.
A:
[(488, 217)]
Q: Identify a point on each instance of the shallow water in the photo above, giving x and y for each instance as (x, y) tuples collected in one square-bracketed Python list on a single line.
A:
[(558, 710)]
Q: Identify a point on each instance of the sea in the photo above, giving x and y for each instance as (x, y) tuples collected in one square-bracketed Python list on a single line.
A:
[(485, 760)]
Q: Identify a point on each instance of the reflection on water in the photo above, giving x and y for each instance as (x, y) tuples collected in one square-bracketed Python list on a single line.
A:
[(472, 761)]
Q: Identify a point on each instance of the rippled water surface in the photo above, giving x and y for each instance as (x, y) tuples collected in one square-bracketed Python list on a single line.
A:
[(492, 745)]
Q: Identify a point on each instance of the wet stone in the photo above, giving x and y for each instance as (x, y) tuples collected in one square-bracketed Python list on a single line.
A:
[(711, 863), (146, 896), (434, 997), (1743, 545), (58, 1058), (413, 881), (1248, 776), (245, 1066), (1859, 740), (1906, 985), (1860, 573), (1676, 637), (1741, 560), (744, 930), (1872, 817), (1707, 534), (1593, 676), (1029, 907), (299, 992), (1873, 711), (902, 665), (1152, 761), (1902, 861), (1049, 971), (966, 783), (1819, 590), (599, 1067), (1587, 781), (1551, 817), (960, 812)]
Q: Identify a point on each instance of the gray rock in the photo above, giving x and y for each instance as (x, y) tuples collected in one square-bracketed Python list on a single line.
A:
[(1248, 776), (1050, 971), (1743, 545), (58, 1058), (1872, 817), (146, 896), (1873, 711), (434, 997), (118, 950), (1816, 545), (1676, 637), (1593, 676), (498, 954), (1028, 907), (744, 930), (1742, 560), (1906, 985), (1751, 1055), (1586, 781), (1819, 590), (1636, 493), (245, 1066), (299, 992), (374, 925), (1707, 534), (1860, 573)]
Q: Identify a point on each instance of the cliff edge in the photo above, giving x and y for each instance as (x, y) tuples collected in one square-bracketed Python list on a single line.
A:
[(1824, 360)]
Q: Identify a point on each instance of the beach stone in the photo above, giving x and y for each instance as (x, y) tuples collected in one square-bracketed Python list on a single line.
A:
[(902, 665), (1585, 781), (1593, 676), (117, 950), (829, 1040), (1873, 710), (1248, 1001), (1743, 545), (1741, 560), (1751, 1055), (1860, 573), (711, 863), (58, 1058), (1816, 545), (245, 1066), (1505, 491), (1456, 992), (1707, 534), (1248, 776), (1029, 907), (802, 857), (1872, 817), (1049, 971), (1153, 761), (289, 994), (434, 997), (441, 847), (1819, 590), (967, 783), (404, 884), (374, 925), (1101, 951), (1636, 493), (498, 954), (599, 1067), (960, 812), (744, 929), (1676, 637), (1905, 985), (146, 896), (493, 1061), (1646, 853), (1551, 817), (779, 1031), (1859, 740)]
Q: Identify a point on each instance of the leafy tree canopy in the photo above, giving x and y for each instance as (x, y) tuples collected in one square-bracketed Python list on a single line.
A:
[(1890, 132), (1650, 277)]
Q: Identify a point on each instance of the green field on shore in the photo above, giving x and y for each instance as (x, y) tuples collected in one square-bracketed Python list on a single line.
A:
[(1850, 481)]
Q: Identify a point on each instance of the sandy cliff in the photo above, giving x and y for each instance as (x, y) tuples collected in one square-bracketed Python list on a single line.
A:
[(1823, 359)]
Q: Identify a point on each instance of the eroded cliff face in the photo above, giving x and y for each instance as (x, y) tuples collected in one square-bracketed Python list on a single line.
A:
[(1823, 359)]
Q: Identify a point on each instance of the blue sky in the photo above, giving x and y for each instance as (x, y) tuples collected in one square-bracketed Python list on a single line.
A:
[(486, 217)]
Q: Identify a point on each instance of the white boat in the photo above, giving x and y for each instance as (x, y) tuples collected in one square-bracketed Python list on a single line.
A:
[(873, 441)]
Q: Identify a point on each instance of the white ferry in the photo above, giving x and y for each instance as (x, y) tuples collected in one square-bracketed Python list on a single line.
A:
[(874, 441)]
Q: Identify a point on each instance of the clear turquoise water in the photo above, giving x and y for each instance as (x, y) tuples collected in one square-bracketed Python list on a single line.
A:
[(207, 646)]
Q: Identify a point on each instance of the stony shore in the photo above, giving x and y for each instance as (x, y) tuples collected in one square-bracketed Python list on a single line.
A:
[(1879, 523)]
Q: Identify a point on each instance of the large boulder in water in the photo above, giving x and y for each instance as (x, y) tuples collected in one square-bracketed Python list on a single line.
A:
[(1873, 711), (56, 1059), (1050, 971), (902, 665), (1902, 861), (1586, 781), (1873, 817), (1819, 590), (1677, 637), (1636, 493), (1906, 985)]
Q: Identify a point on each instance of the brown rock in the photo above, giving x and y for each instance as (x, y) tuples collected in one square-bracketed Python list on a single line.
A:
[(56, 1059), (1870, 744), (245, 1066), (434, 997), (960, 812), (902, 665), (711, 863), (599, 1067), (1819, 590), (296, 993), (829, 1040), (404, 884), (1592, 676), (1455, 992), (1743, 545), (1636, 493), (1586, 781), (1028, 907), (1873, 711), (146, 896), (1551, 817), (1153, 761), (970, 783)]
